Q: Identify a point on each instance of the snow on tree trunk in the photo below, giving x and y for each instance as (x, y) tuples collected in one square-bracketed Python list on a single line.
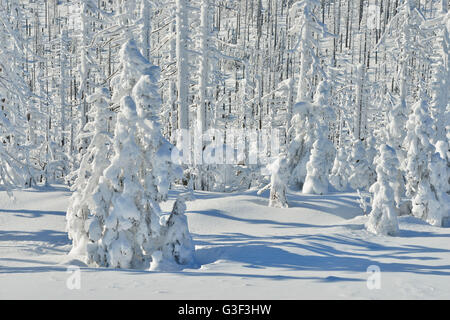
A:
[(383, 217), (182, 64), (145, 29)]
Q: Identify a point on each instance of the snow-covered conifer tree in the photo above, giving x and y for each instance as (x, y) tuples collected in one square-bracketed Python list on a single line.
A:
[(278, 182), (301, 131), (371, 153), (426, 173), (404, 33), (440, 81), (383, 217), (300, 134), (443, 148), (177, 248), (126, 218), (340, 170), (14, 93), (358, 167), (93, 163), (319, 163), (125, 229)]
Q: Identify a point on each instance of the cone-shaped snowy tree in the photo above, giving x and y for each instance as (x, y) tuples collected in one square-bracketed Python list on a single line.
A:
[(92, 165), (318, 166), (340, 171), (299, 148), (316, 181), (125, 218), (383, 217), (125, 228), (426, 173), (359, 167)]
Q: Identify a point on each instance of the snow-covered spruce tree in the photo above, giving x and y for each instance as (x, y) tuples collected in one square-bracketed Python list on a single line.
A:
[(340, 171), (440, 182), (318, 166), (299, 148), (300, 134), (125, 220), (440, 81), (396, 121), (316, 181), (88, 11), (125, 228), (371, 154), (404, 42), (278, 182), (383, 217), (426, 173), (358, 167), (177, 246), (443, 148), (306, 25), (93, 163), (11, 169), (14, 93)]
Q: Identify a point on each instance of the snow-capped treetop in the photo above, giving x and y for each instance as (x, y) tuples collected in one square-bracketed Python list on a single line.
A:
[(134, 65)]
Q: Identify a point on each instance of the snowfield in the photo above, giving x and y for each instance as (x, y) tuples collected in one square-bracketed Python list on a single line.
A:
[(316, 249)]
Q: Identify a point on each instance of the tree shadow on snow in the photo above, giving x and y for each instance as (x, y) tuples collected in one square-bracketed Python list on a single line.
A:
[(317, 253), (341, 205), (22, 213), (222, 214), (52, 237)]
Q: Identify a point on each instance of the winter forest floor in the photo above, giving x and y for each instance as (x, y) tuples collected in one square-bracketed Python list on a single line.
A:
[(316, 249)]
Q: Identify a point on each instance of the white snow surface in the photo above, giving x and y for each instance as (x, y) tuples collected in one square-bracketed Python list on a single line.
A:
[(315, 249)]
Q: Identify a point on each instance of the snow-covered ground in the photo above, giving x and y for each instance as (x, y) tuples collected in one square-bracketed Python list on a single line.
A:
[(318, 248)]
